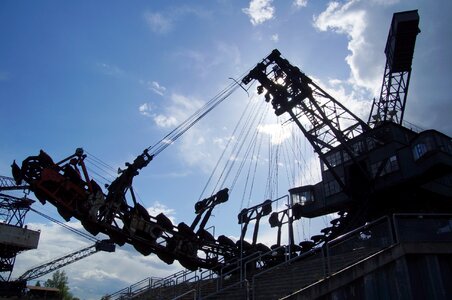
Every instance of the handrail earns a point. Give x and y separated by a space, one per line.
239 265
155 282
324 246
243 264
365 226
310 252
130 289
268 253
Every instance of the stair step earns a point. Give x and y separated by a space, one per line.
275 283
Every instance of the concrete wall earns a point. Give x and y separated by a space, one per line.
404 271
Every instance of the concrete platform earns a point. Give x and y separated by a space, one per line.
20 238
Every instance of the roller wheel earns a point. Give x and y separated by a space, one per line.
31 169
262 248
166 257
164 222
41 196
189 263
91 227
142 212
225 241
185 230
117 238
143 248
205 235
66 214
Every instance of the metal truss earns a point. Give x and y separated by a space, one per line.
390 106
324 121
66 260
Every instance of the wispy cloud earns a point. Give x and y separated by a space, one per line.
109 69
352 21
158 23
145 109
95 275
179 108
156 87
260 11
386 2
166 21
203 63
158 208
276 132
300 3
275 38
162 120
165 121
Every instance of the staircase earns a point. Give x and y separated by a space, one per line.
245 280
302 271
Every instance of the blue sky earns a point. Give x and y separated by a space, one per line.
114 77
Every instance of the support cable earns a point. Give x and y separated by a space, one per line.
192 120
242 163
256 164
234 152
73 230
290 172
250 165
251 146
225 149
101 162
268 193
239 144
182 131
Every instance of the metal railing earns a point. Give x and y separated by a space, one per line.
146 284
327 259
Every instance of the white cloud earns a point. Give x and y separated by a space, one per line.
156 87
221 142
278 134
158 208
95 275
228 52
275 38
165 121
172 114
109 69
386 2
335 81
165 22
145 109
202 63
300 3
177 111
158 23
195 151
259 11
185 106
352 21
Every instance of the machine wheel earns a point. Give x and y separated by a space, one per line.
91 227
66 214
31 169
142 248
163 221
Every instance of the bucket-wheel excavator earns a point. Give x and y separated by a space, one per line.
369 169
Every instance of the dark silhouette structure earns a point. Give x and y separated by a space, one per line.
373 174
